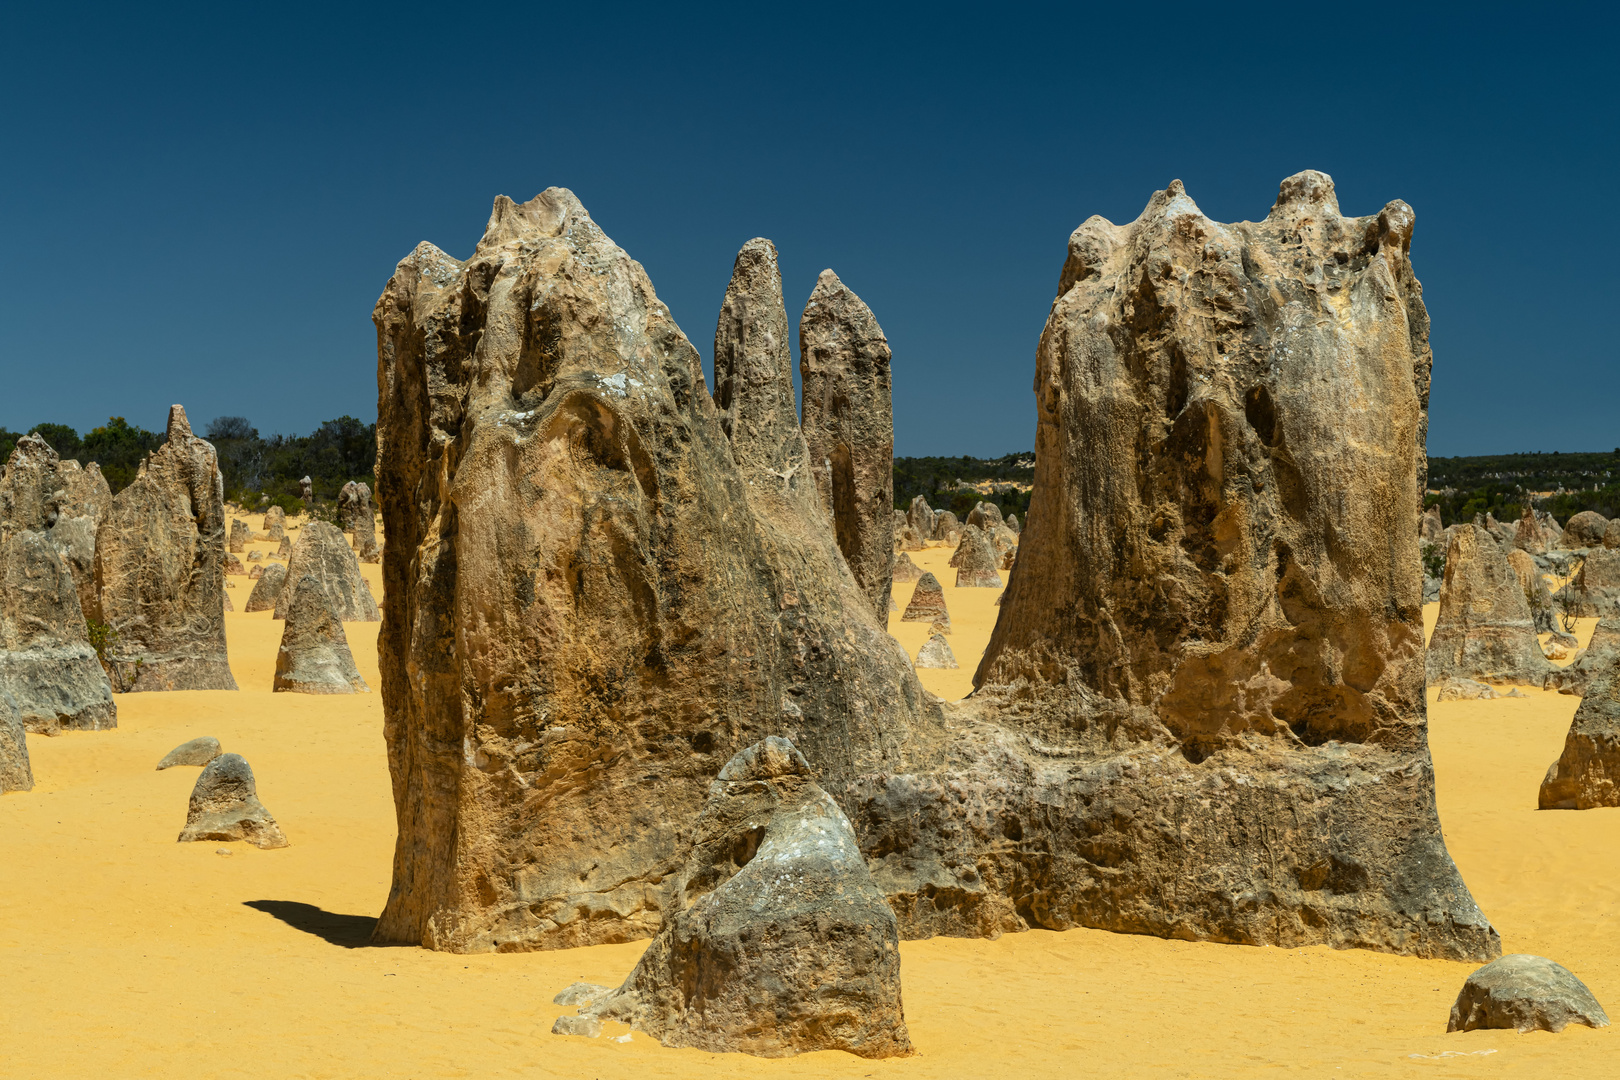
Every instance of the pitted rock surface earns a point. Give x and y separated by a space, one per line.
267 589
977 561
225 806
1587 774
1485 630
1523 993
927 602
314 657
322 557
936 653
15 773
1584 530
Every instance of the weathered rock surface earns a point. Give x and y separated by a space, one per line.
314 657
85 500
15 772
946 527
255 573
267 590
306 490
777 941
47 665
199 751
1584 530
1455 689
1525 993
275 524
985 516
1587 773
160 560
1501 533
323 556
849 428
1429 526
589 607
936 653
905 569
1601 654
921 516
1594 591
927 602
284 549
240 535
1537 597
355 516
255 556
1527 535
976 561
233 565
1485 630
1221 556
908 539
225 806
1012 523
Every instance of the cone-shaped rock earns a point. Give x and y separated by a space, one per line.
314 656
986 515
1525 993
936 653
927 602
1587 774
1527 535
976 561
240 534
1012 523
1222 557
323 557
946 527
225 806
355 516
1584 530
849 428
921 517
160 558
777 942
46 662
275 524
591 603
1485 630
1537 597
1429 527
15 773
905 569
267 589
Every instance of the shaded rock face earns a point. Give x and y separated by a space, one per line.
1525 993
160 561
936 653
1429 527
946 527
1012 523
927 602
275 524
225 806
1527 535
1611 535
921 517
976 561
1586 529
1587 774
284 549
588 606
86 498
1602 653
355 516
199 751
306 490
1537 597
240 534
986 516
1485 630
1594 591
15 772
905 569
849 428
777 941
267 589
322 557
1221 556
314 657
47 665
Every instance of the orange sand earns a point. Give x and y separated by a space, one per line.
129 955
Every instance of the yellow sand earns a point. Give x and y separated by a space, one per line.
126 954
973 616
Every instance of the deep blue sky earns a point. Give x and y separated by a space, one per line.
202 205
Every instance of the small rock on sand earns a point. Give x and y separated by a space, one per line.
199 751
936 653
225 806
588 1026
1525 993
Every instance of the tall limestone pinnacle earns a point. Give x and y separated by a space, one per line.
588 606
1201 714
849 427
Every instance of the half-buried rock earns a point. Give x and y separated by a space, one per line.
977 561
1523 993
323 558
267 590
1485 630
199 751
15 774
936 653
225 806
315 656
927 602
776 940
1587 774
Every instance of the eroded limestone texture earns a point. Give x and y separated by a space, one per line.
47 664
849 428
314 657
160 561
1485 629
323 558
1587 773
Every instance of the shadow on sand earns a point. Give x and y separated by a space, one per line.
349 931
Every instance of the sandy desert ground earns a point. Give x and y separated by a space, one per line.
129 955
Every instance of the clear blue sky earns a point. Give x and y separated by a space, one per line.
202 205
